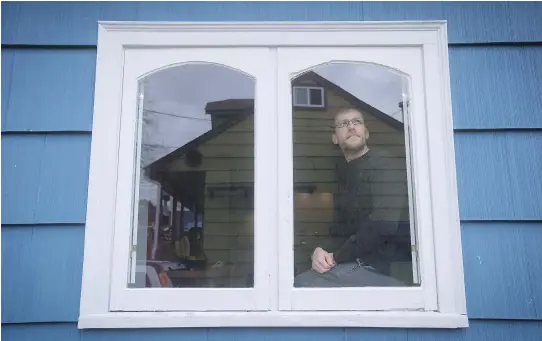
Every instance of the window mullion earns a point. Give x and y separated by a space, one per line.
266 194
285 185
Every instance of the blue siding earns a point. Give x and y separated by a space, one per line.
496 87
41 273
41 332
45 175
533 259
483 330
507 255
195 334
484 88
20 155
392 10
499 175
249 11
69 23
44 178
76 24
473 22
478 330
374 334
468 22
270 334
7 68
50 90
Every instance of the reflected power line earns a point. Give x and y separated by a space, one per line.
178 116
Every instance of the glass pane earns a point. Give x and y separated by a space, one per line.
352 209
316 96
195 210
301 96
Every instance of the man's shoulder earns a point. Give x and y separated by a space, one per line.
380 156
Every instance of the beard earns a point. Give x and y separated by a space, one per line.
353 143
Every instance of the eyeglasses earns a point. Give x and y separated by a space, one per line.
345 123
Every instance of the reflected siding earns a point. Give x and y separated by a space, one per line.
228 161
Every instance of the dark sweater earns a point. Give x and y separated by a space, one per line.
356 218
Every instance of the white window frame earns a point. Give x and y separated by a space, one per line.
124 50
309 105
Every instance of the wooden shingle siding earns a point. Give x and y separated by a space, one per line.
69 23
41 331
479 330
493 22
491 250
44 178
41 271
484 80
499 175
496 87
493 88
7 68
49 90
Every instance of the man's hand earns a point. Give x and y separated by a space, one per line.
322 261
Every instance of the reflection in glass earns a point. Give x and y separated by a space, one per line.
353 225
194 224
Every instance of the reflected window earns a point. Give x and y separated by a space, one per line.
309 97
352 208
195 201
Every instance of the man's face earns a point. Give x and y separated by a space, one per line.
352 136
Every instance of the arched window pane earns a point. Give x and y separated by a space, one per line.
196 179
352 208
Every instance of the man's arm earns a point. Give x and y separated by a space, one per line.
322 259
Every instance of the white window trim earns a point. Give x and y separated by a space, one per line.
115 38
309 105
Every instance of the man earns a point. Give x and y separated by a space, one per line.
362 259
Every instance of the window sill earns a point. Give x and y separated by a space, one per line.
385 319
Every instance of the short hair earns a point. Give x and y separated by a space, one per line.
345 110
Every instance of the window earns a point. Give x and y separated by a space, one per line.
308 96
241 205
